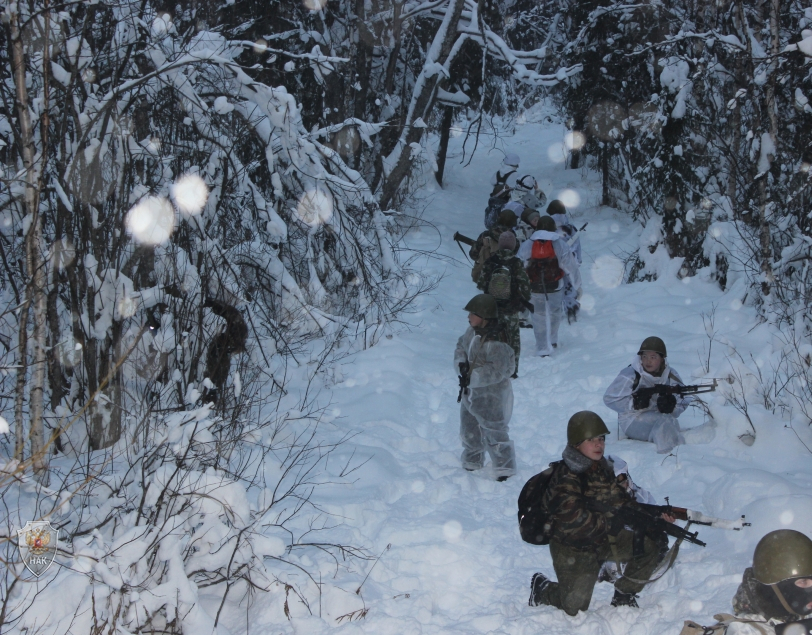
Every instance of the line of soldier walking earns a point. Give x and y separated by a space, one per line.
599 524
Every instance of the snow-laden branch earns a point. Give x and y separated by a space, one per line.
312 57
496 45
364 128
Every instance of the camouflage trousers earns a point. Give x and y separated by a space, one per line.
511 322
577 571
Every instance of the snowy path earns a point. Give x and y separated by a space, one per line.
456 562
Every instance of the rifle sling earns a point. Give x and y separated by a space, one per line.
669 559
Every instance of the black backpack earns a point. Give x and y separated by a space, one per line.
495 205
535 524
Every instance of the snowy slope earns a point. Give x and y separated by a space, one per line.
456 563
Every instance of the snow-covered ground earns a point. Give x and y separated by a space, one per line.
452 558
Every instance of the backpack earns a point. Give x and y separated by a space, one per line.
543 270
500 284
495 205
535 524
489 247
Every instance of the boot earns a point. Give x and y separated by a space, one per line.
538 583
625 599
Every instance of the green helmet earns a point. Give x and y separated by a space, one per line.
484 306
546 223
556 207
507 218
653 344
781 555
528 214
584 425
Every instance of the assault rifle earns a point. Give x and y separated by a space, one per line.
465 379
460 238
571 240
644 522
698 518
642 396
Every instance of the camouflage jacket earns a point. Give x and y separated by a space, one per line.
493 233
566 500
519 282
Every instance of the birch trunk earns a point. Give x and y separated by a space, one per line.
765 237
35 291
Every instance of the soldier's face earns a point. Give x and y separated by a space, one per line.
805 583
593 448
474 320
650 361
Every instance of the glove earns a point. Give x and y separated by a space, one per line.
640 400
666 404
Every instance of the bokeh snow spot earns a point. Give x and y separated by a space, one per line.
607 272
736 304
4 427
418 487
162 25
574 140
570 198
614 228
786 517
126 307
260 46
151 221
315 208
696 606
62 253
88 76
557 153
189 194
590 333
314 5
452 531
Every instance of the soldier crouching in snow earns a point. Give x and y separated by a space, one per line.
777 589
642 415
485 362
582 538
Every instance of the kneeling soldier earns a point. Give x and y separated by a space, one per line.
582 538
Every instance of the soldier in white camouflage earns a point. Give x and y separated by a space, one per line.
485 361
503 277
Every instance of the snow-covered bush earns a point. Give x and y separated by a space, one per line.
158 534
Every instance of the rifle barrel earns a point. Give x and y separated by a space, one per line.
460 238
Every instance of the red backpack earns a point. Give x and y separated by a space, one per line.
543 270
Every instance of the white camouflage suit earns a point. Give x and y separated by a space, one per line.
488 405
648 424
549 306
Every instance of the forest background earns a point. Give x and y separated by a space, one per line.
203 205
